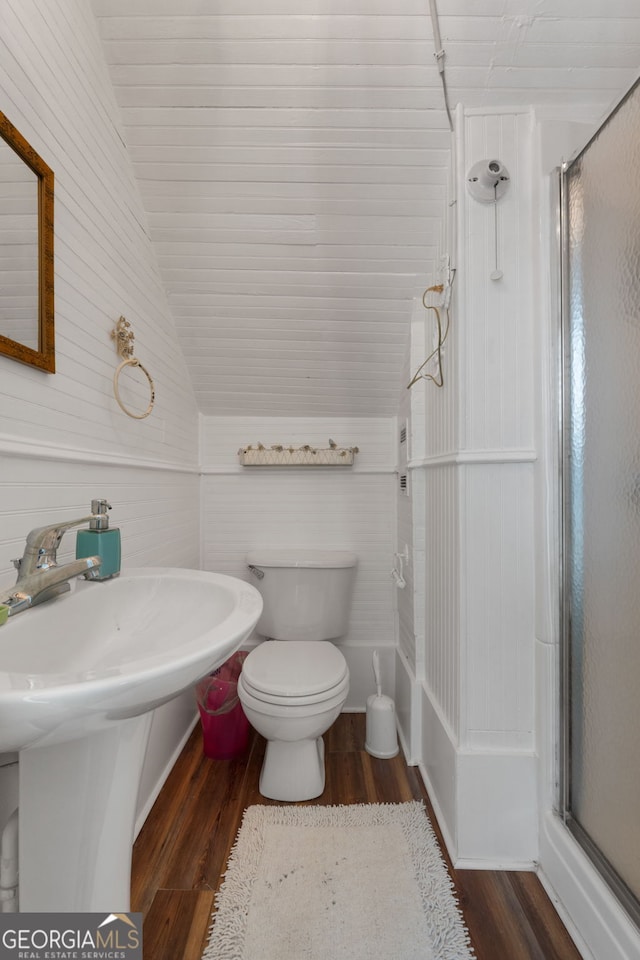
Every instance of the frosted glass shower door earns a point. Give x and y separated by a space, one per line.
601 473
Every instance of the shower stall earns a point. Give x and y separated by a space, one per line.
600 754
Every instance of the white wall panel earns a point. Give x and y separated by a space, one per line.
405 536
497 810
58 93
475 458
242 513
222 438
63 439
438 765
323 508
497 397
498 642
442 653
496 419
153 509
434 439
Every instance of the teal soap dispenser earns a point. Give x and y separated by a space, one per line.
100 540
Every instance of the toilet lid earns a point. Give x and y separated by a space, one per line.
294 668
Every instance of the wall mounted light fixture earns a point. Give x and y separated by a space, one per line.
487 182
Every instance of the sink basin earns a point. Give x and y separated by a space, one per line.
114 650
79 679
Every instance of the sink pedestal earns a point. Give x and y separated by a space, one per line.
77 817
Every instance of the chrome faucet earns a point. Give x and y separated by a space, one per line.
39 576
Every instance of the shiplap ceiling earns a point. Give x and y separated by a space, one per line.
292 157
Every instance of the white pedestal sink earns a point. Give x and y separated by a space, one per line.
79 677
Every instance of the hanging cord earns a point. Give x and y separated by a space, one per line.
437 379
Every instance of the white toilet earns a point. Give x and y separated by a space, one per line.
294 686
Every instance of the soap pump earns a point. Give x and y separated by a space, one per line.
100 540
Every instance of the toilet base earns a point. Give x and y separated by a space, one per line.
293 770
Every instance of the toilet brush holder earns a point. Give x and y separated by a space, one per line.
381 736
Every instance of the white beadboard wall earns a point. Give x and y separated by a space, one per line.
153 509
498 575
410 535
406 627
63 438
497 440
496 428
476 462
56 90
496 367
346 508
434 481
434 442
441 592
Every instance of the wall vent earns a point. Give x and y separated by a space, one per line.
403 434
404 486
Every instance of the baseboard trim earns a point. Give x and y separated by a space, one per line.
439 815
565 916
524 866
582 898
408 709
406 753
486 801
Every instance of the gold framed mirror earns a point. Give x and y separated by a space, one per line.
26 252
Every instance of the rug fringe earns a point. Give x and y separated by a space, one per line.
247 848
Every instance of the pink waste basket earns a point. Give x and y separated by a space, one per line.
225 728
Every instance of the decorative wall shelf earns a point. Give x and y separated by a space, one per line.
306 456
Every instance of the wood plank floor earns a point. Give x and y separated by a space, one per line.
182 850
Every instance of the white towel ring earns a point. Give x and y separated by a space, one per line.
133 362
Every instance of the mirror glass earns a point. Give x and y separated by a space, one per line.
26 252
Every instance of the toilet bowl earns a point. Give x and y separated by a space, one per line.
293 687
306 698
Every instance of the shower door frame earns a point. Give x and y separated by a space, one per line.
560 202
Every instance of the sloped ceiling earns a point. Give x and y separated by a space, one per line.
292 156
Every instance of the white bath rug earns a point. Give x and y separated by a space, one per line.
360 882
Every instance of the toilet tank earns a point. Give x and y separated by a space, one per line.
307 594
